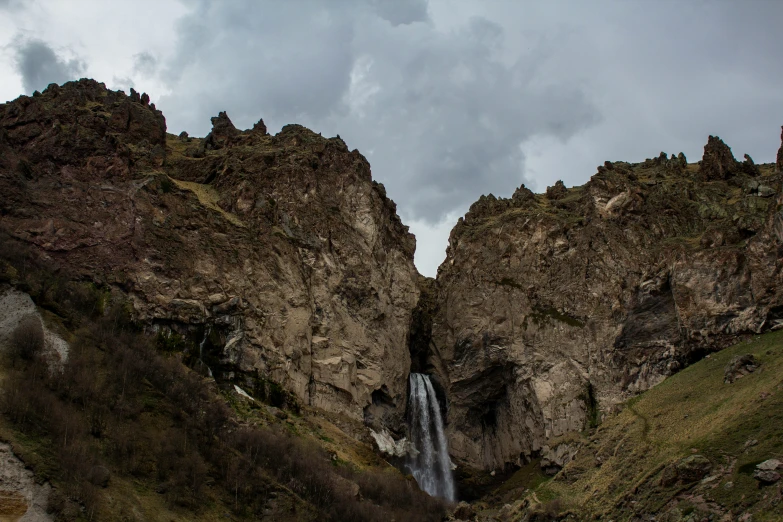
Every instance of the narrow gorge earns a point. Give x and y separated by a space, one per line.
275 265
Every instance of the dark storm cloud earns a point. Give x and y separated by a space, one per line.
448 117
439 113
284 61
664 80
39 65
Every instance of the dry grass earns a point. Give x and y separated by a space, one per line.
208 197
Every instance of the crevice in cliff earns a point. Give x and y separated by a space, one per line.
425 357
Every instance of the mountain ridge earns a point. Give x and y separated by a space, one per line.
274 264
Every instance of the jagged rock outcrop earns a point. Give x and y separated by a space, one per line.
718 161
223 132
557 191
553 311
278 254
779 161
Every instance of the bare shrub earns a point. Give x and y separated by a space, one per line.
95 414
27 339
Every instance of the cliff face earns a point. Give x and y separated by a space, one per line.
553 308
277 254
277 258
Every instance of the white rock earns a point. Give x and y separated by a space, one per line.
243 393
395 448
770 465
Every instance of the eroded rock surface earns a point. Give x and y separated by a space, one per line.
21 498
552 309
276 257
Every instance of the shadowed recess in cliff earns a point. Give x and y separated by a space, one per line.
430 465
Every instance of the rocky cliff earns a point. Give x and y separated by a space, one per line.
553 308
272 259
275 262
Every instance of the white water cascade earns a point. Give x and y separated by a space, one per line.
201 351
431 466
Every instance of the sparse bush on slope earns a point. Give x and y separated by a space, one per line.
119 406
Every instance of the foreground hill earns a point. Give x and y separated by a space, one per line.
688 449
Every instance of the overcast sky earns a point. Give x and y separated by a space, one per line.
448 99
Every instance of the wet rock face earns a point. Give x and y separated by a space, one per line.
279 253
552 312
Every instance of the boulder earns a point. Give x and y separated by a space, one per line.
554 458
388 446
693 468
464 511
767 477
739 366
770 465
779 162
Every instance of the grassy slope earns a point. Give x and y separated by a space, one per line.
137 495
693 412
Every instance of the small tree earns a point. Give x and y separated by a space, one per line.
27 339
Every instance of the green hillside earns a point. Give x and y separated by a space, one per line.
650 459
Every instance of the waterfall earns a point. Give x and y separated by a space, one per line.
201 351
431 466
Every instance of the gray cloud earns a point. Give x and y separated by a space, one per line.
440 114
402 12
145 64
123 83
450 100
39 65
11 4
285 61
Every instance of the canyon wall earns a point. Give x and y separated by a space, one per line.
550 309
277 259
278 254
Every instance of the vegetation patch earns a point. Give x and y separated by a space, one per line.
541 315
209 197
692 417
125 429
